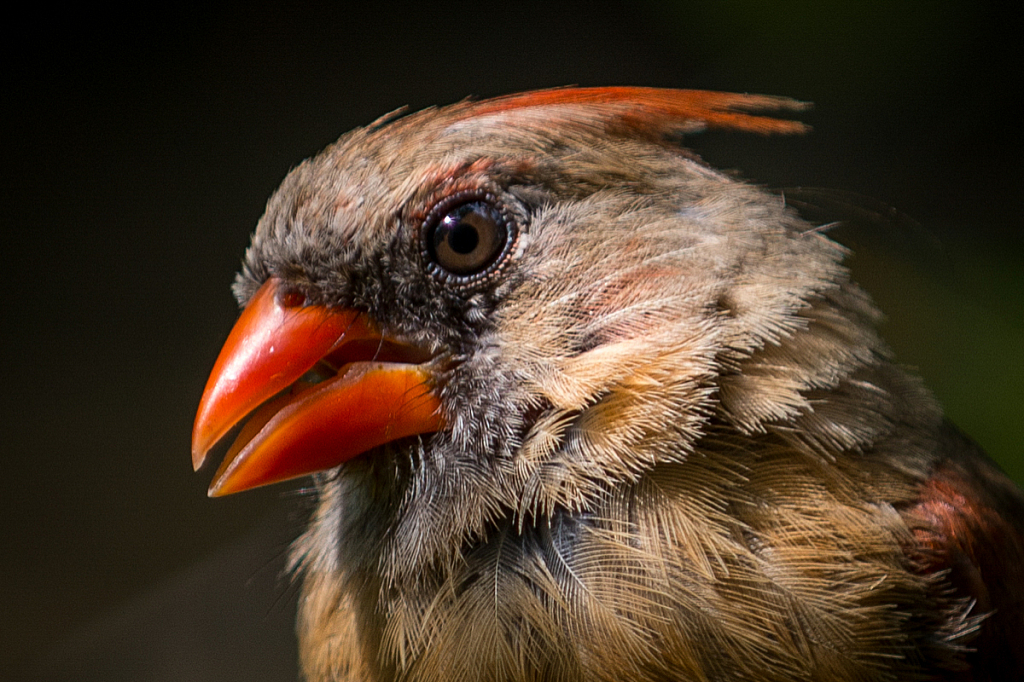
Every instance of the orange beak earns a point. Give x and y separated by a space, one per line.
376 392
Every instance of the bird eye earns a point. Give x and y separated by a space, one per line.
466 239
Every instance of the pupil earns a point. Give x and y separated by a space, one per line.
463 238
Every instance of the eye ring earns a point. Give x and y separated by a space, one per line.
466 237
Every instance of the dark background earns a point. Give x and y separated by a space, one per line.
138 152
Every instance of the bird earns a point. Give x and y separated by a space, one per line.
576 405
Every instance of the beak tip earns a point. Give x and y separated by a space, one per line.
198 457
216 484
220 486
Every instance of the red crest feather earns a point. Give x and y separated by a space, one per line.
654 112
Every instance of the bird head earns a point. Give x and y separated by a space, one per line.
502 310
490 309
577 405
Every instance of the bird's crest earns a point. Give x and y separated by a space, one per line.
651 112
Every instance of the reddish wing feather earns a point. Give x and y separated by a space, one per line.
972 526
655 111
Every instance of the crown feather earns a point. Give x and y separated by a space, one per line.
650 112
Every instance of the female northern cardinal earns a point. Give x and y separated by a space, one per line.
579 407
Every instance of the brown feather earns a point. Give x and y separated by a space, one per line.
969 528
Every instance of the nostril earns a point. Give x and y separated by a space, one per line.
291 299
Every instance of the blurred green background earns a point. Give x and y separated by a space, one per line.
139 150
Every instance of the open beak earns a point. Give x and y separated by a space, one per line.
328 387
